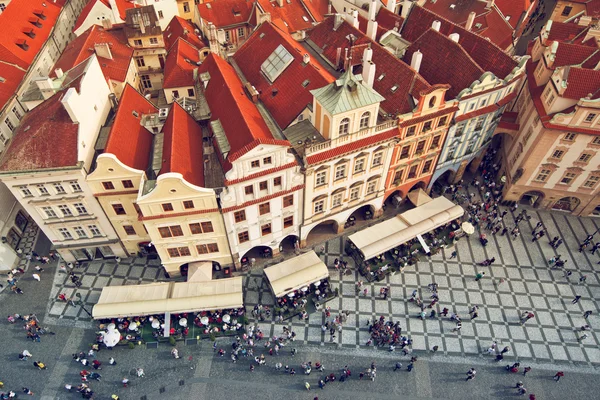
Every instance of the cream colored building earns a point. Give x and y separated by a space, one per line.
186 9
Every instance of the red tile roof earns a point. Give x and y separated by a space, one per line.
223 13
242 122
182 149
572 54
129 141
83 47
592 8
439 50
489 56
12 76
566 32
179 27
46 138
582 82
179 65
514 9
122 5
20 18
317 8
291 13
399 84
292 97
388 20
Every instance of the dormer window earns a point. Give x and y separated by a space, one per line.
432 102
344 127
35 22
29 32
40 14
22 44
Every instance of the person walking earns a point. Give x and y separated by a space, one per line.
526 370
471 374
587 314
576 300
582 279
479 275
410 367
453 255
582 337
397 366
36 277
558 375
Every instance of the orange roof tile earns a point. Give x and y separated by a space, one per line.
10 79
129 141
292 13
182 150
20 18
223 13
514 9
566 32
242 122
582 82
179 65
46 138
83 47
290 94
317 8
179 27
572 54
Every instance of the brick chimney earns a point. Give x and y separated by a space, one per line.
103 50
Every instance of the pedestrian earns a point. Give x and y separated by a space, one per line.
435 348
125 381
444 312
471 374
410 367
453 255
582 337
479 275
526 370
582 279
27 391
111 361
458 327
39 365
398 366
558 375
36 277
587 314
505 350
576 300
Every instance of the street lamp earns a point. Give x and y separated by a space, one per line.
80 303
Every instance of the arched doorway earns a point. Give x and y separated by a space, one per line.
394 199
567 204
289 244
443 181
362 213
184 269
532 198
322 232
418 185
257 252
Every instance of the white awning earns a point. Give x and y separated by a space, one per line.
386 235
296 273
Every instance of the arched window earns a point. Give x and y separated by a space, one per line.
432 102
344 126
364 120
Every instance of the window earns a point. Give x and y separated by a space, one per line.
80 232
108 185
591 182
288 201
9 124
550 99
404 152
65 233
460 128
354 193
411 131
249 190
265 229
359 165
243 237
255 164
442 121
186 7
80 208
170 231
566 11
364 120
451 152
227 36
585 157
420 147
319 206
139 61
207 227
377 159
412 172
137 42
146 82
528 135
119 209
195 228
263 185
75 187
432 102
2 6
94 230
179 252
240 32
167 207
267 160
59 189
188 204
557 154
590 117
435 142
596 140
427 126
344 127
190 92
479 125
336 201
264 208
398 177
207 248
570 136
371 186
127 184
277 181
154 40
42 189
239 216
288 221
49 212
129 230
340 172
471 145
17 113
320 178
65 210
568 178
175 94
427 166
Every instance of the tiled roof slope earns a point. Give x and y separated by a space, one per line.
180 64
46 138
179 27
572 54
487 55
182 149
292 96
129 141
566 32
291 13
514 9
11 77
317 8
439 50
20 18
241 120
122 5
83 47
399 82
224 13
582 82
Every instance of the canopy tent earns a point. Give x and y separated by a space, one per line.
168 297
386 235
296 273
419 197
200 271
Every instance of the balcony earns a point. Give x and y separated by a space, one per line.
149 70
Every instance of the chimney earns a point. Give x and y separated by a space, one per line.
69 101
415 61
372 30
406 6
454 37
553 49
470 20
490 4
280 3
391 5
436 25
338 19
372 10
107 23
593 32
584 20
306 58
368 67
338 56
58 72
352 18
329 7
103 50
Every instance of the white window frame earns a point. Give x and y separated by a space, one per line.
320 178
337 199
340 172
355 193
80 208
319 206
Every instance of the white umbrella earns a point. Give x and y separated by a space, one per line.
317 283
156 324
468 228
226 318
111 338
183 322
204 320
110 327
304 289
291 295
133 326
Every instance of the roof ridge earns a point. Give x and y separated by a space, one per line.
457 44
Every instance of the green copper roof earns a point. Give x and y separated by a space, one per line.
346 94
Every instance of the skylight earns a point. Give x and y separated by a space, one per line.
276 63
